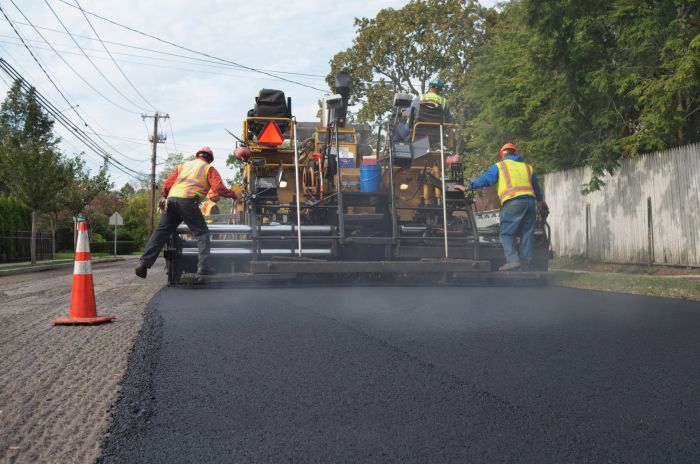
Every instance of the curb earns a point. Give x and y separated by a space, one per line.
50 267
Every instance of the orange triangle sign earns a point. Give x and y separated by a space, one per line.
271 135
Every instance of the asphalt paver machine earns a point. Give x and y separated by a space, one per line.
327 206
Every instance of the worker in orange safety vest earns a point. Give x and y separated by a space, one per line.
184 189
519 192
209 207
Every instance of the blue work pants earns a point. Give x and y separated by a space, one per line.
518 220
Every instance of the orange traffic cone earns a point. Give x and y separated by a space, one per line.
82 301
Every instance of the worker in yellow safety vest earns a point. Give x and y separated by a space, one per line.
209 207
519 192
184 189
433 97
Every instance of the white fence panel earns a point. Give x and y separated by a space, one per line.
648 211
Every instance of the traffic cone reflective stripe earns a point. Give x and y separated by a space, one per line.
82 301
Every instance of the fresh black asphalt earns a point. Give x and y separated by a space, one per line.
411 374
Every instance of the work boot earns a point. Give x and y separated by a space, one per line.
141 271
511 266
206 270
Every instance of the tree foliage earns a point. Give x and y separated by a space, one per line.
588 83
572 83
400 50
31 165
83 188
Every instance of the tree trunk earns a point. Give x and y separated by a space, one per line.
32 240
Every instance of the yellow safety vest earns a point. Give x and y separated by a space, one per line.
192 180
514 180
433 97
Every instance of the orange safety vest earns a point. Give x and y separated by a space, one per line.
206 210
514 180
206 207
192 180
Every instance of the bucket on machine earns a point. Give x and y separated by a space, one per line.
370 177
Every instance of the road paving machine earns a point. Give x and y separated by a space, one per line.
322 204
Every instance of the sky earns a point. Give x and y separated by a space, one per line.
293 39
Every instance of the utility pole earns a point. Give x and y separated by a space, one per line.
155 139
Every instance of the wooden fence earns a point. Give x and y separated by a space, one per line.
648 212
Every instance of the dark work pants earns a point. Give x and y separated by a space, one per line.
179 210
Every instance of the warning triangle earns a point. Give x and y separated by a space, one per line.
271 135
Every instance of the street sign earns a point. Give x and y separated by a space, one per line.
116 220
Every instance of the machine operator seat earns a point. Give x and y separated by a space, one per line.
429 112
270 103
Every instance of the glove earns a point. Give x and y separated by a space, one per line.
238 190
162 205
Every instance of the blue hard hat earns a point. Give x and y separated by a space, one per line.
437 83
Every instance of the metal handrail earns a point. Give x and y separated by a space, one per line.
416 124
296 183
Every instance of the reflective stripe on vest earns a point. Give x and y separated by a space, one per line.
192 180
514 180
434 98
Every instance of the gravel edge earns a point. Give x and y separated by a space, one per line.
131 412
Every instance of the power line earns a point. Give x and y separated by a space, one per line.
194 51
177 55
36 60
88 58
68 124
92 131
172 133
52 81
227 74
110 55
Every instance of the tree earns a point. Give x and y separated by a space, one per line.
587 83
126 191
31 166
81 189
401 50
136 215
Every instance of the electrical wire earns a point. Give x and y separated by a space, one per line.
92 131
160 66
111 84
76 131
110 55
191 58
36 60
53 82
195 51
172 133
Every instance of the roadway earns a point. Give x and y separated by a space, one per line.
411 375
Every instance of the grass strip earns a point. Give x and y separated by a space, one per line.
669 287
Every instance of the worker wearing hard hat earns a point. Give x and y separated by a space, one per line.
184 189
518 189
433 97
209 207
